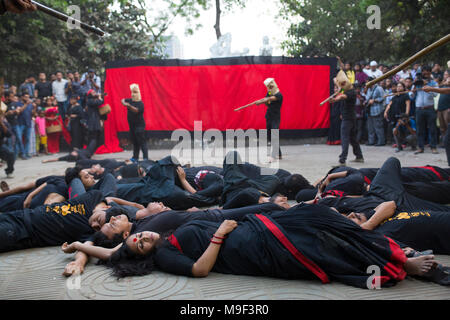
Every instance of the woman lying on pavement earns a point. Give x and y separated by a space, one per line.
304 242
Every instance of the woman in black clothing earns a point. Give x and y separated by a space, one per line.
304 242
76 113
136 123
400 103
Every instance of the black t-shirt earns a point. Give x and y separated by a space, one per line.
348 108
274 107
68 221
421 230
136 119
398 106
365 204
14 118
44 89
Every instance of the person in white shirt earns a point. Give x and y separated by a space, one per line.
59 92
373 72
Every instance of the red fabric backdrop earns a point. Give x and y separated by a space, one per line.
176 96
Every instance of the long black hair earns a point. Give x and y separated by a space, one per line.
126 263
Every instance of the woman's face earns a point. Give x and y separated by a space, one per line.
400 87
142 243
358 218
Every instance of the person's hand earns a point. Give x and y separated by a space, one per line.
19 6
27 202
386 116
72 268
371 101
226 227
193 209
181 173
70 248
427 88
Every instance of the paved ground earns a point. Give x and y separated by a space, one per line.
36 273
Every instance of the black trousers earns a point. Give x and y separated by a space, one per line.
348 137
139 141
94 141
8 155
273 124
388 185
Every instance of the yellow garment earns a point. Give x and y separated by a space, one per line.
351 76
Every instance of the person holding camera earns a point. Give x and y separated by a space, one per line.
89 81
425 114
405 132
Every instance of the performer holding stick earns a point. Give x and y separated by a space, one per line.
348 116
273 101
136 122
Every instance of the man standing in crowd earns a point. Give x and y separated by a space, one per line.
89 81
59 92
24 126
27 86
375 125
373 71
425 113
73 86
6 154
43 88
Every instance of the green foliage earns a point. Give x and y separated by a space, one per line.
330 28
35 42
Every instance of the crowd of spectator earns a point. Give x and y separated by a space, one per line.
397 110
39 114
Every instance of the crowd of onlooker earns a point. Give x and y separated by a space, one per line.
38 114
397 110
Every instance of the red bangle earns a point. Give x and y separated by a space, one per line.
216 241
218 237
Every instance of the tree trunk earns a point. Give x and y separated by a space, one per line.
217 25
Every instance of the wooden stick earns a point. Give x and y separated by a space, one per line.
330 97
65 18
393 94
248 105
410 60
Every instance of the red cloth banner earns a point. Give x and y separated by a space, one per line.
176 93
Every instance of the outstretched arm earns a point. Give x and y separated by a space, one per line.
89 249
77 266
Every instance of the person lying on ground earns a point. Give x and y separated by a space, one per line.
304 242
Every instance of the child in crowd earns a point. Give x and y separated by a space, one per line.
41 134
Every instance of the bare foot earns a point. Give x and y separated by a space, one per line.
419 265
4 186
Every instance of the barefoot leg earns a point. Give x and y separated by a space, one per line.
419 265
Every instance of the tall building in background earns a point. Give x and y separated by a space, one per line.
173 49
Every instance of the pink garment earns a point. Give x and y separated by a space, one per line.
40 123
